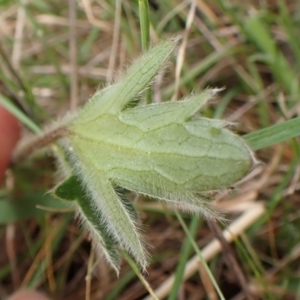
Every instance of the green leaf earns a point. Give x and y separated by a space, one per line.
25 207
69 189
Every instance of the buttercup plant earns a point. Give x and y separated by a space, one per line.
159 150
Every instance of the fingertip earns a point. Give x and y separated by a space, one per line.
28 295
9 135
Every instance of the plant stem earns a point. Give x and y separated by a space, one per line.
38 142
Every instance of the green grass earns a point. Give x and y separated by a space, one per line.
252 50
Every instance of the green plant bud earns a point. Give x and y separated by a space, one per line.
159 150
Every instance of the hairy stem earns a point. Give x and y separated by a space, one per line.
36 143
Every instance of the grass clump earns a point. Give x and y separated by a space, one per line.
253 50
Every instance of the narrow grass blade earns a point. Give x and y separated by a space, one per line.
274 134
258 32
25 207
204 264
199 69
185 253
145 24
19 114
145 34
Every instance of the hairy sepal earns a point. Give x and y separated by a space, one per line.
118 216
156 115
114 98
92 220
